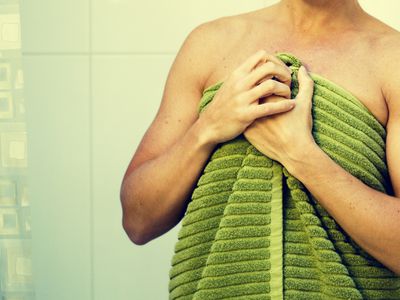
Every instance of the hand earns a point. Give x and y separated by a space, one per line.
281 135
236 104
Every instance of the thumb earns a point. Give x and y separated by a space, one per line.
306 85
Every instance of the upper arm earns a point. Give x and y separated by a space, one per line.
392 95
393 147
182 92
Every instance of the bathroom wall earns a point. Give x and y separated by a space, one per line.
94 76
16 282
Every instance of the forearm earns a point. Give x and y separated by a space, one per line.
154 196
370 217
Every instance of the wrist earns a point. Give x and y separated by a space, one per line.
298 157
202 135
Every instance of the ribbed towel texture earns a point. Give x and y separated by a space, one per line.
253 231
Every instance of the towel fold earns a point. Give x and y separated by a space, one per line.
253 231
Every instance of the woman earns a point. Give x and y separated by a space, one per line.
334 38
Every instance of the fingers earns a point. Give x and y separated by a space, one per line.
267 88
306 85
251 62
258 59
275 60
267 71
271 108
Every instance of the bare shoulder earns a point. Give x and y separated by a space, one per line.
388 45
217 40
226 28
195 60
200 52
381 51
388 56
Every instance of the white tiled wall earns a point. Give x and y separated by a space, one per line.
57 87
16 281
126 95
94 76
155 26
50 26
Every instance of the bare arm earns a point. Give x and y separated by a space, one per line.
162 174
162 187
370 217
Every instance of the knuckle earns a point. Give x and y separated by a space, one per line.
270 85
241 116
267 109
238 86
238 100
287 76
235 73
269 66
270 57
287 90
255 93
262 52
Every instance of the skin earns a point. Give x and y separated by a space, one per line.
370 217
178 142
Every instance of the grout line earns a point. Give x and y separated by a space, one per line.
91 180
94 53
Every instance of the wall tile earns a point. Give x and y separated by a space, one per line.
127 93
60 26
270 2
155 26
382 11
57 89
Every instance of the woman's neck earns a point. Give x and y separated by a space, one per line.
318 17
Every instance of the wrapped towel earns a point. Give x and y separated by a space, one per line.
253 231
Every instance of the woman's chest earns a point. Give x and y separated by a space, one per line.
356 71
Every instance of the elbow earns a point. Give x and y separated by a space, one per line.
135 234
134 226
131 223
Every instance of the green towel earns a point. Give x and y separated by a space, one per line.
253 231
